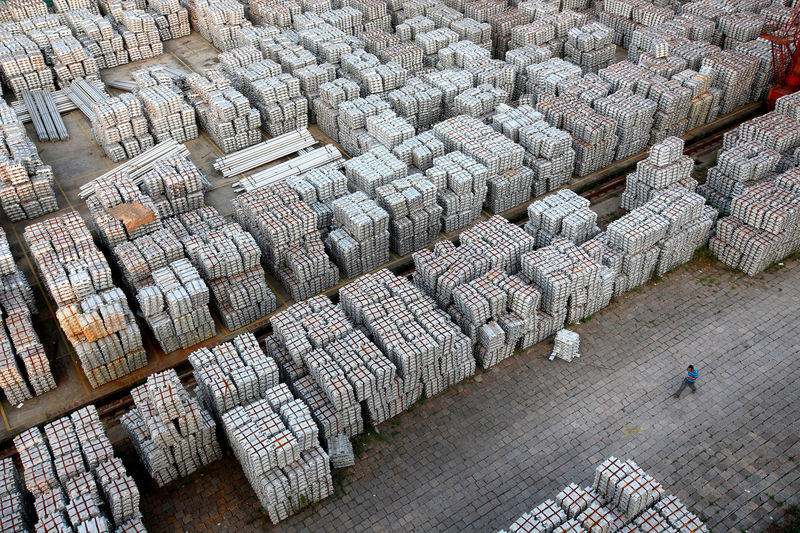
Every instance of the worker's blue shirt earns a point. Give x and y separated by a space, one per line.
692 376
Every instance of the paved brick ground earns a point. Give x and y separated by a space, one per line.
481 454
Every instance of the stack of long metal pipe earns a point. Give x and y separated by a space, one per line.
62 101
84 95
302 163
263 153
45 116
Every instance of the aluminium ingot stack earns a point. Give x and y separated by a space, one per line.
172 20
175 306
76 481
665 167
428 349
352 122
287 231
318 188
99 36
418 102
169 115
359 241
171 432
326 106
141 35
26 183
372 76
414 215
373 169
175 185
92 312
22 65
15 515
120 127
218 21
590 46
418 152
564 214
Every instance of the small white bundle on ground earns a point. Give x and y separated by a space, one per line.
224 113
664 167
359 241
562 215
232 374
175 185
573 285
326 106
92 312
566 345
99 36
19 343
176 306
15 515
590 46
373 169
23 66
172 19
318 188
26 183
287 231
594 135
428 349
169 115
140 33
352 123
170 431
418 102
763 227
120 127
75 480
623 497
461 189
414 216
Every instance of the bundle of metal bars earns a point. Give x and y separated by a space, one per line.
264 152
45 116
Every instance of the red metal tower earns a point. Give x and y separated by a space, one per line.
785 39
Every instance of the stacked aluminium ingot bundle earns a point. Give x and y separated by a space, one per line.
140 257
461 185
76 481
543 77
479 102
22 65
141 35
171 18
326 106
389 129
175 185
432 42
593 135
26 9
373 76
502 23
590 46
15 515
762 50
175 306
169 115
92 312
566 346
418 102
451 82
218 21
318 188
700 103
99 36
286 230
172 434
69 58
372 169
414 216
407 55
522 58
224 113
376 16
459 54
626 16
20 345
277 13
429 351
561 215
359 241
26 183
633 115
418 152
734 73
120 127
665 167
763 226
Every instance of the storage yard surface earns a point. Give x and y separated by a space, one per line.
477 455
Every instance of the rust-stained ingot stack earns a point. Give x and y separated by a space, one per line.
172 434
564 214
120 127
21 347
26 183
665 167
15 515
428 349
286 229
76 482
92 312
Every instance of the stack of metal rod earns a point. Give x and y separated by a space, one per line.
45 116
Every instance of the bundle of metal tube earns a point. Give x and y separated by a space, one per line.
84 94
303 163
263 153
45 116
62 101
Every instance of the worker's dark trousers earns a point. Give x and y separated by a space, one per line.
685 384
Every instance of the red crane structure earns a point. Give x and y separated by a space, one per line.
785 39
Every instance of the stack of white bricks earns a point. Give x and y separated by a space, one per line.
561 215
359 241
573 285
169 115
461 189
22 65
372 76
141 35
172 434
590 46
373 169
175 306
763 225
318 188
224 112
68 56
20 345
414 216
26 183
352 121
99 36
218 21
326 106
419 102
418 152
92 312
287 231
633 115
429 351
665 167
120 127
172 20
15 514
75 480
175 185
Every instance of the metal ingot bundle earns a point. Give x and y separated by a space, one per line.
141 34
318 188
171 18
287 231
99 37
140 257
175 306
218 21
479 141
734 73
22 65
414 216
702 99
522 58
431 42
372 76
26 183
76 481
418 152
664 167
376 167
175 185
170 431
566 346
633 115
91 311
429 351
389 129
590 46
561 215
479 102
460 53
461 184
169 115
359 241
352 120
15 515
451 82
278 13
326 106
120 127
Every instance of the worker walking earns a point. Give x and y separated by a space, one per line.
691 377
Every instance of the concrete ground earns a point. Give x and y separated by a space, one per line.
487 450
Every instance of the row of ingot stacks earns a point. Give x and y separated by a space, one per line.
172 434
287 231
92 312
224 113
20 345
26 183
99 36
22 65
273 435
69 58
120 127
76 481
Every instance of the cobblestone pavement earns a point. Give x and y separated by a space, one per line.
489 449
